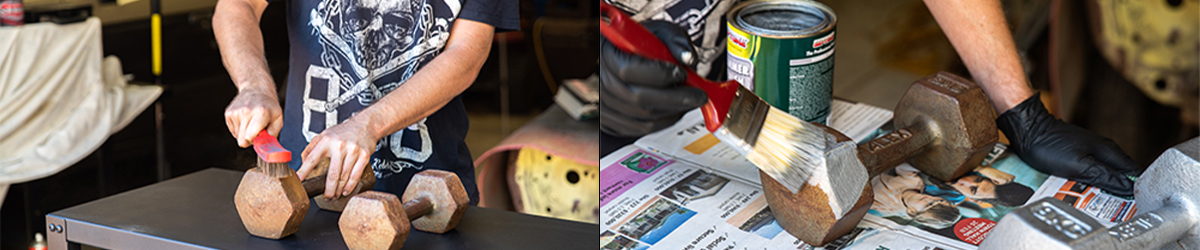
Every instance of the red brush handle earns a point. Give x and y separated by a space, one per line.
269 150
629 36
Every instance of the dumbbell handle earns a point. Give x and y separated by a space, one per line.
887 151
315 185
415 208
1054 220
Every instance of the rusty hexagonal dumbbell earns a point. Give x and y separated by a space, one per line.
434 202
272 201
946 128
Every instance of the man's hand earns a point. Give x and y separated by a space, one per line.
348 146
253 110
1055 147
256 107
638 95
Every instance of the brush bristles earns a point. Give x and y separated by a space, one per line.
273 168
788 149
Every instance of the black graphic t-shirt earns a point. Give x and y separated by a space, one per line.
348 54
702 19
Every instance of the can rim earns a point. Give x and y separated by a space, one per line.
737 12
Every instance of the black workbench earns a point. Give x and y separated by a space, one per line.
196 211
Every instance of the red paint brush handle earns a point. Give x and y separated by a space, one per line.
629 36
269 150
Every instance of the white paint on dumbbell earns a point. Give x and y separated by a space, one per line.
843 177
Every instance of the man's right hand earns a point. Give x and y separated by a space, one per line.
253 110
638 95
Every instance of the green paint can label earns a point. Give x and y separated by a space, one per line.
783 51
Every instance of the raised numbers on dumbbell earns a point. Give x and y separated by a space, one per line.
1167 214
1136 226
1060 220
952 86
887 140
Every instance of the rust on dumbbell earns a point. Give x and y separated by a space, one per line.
273 212
952 86
806 214
888 151
374 220
449 196
272 201
811 218
435 200
946 127
888 140
418 207
315 186
960 114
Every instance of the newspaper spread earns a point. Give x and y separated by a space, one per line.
680 188
1108 209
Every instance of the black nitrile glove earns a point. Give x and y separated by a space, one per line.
638 95
1057 148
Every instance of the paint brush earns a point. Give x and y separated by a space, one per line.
782 146
271 155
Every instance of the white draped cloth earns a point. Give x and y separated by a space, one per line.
59 98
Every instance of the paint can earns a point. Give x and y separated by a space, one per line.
783 51
12 13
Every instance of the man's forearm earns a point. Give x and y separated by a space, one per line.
235 25
978 31
433 86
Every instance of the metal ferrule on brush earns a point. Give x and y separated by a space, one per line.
744 121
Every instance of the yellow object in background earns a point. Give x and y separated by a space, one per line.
1154 44
558 187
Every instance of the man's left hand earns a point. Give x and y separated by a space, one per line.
1057 148
349 147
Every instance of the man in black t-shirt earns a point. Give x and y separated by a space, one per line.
373 86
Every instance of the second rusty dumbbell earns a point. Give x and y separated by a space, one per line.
434 202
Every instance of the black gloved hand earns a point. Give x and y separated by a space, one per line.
638 95
1057 148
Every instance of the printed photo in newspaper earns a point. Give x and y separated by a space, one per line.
612 241
654 220
963 209
755 217
680 205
